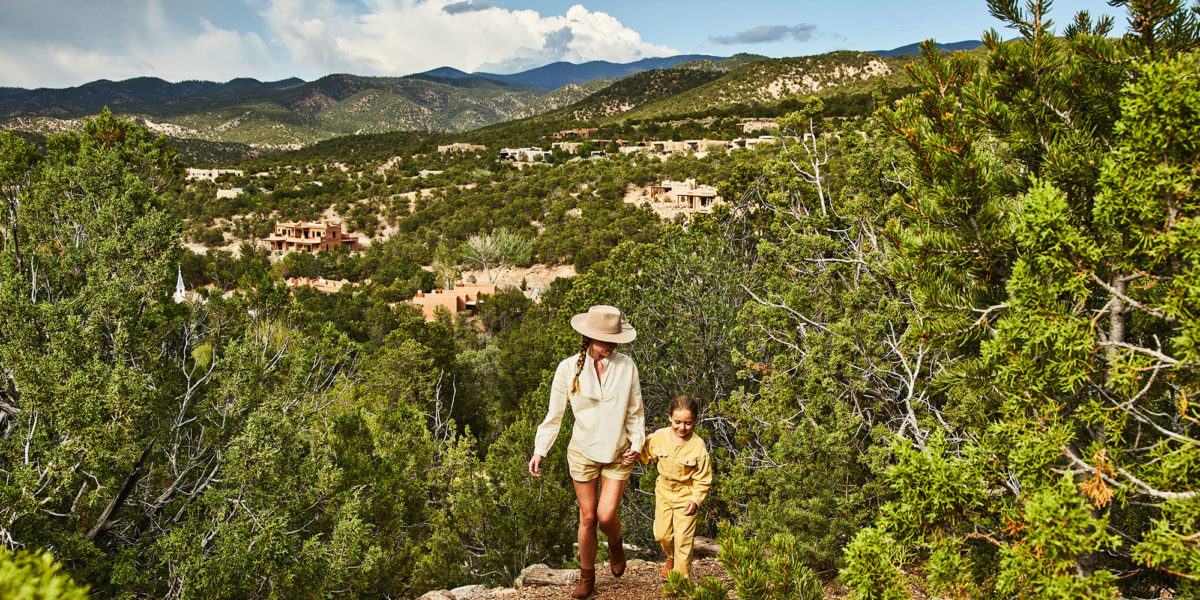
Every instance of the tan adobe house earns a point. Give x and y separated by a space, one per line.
568 147
686 195
706 145
462 300
752 143
765 124
583 132
309 237
523 154
212 174
327 286
461 147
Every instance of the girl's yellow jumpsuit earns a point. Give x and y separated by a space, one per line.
684 475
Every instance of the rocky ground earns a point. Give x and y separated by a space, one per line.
642 581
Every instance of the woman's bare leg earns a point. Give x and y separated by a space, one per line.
607 510
585 492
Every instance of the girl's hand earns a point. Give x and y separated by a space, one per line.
535 465
628 458
690 509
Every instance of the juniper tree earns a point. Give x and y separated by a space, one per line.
230 449
1044 238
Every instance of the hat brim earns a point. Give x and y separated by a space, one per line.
627 334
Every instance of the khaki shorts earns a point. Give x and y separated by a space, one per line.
583 468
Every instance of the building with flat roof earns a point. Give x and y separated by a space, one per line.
212 174
461 147
527 155
463 300
760 125
570 133
686 195
309 237
752 143
327 286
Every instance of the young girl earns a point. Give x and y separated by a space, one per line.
684 476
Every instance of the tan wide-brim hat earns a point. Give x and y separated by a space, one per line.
604 323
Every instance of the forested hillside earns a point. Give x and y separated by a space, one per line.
946 346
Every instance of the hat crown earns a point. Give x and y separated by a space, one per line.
604 323
605 319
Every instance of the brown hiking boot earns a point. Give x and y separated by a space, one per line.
667 566
616 557
586 585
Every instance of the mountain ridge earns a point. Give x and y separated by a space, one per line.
291 113
915 48
558 74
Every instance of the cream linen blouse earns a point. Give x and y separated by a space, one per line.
609 416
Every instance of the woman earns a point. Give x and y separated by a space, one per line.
609 431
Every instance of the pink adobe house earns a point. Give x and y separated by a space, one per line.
464 298
309 237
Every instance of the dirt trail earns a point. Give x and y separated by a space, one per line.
642 581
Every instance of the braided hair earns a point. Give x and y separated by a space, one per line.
583 346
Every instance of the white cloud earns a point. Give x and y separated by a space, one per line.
58 43
767 33
135 38
397 37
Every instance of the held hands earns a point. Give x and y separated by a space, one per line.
535 465
690 509
628 457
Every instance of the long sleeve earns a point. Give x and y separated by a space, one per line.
702 479
635 415
547 432
647 452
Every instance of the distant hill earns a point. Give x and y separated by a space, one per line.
559 74
916 48
719 65
211 121
564 96
768 81
276 116
291 113
632 92
89 98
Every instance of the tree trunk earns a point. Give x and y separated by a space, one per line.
131 480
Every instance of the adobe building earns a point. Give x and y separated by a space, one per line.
309 237
762 125
523 155
212 174
461 147
752 143
570 133
326 286
687 196
463 300
706 145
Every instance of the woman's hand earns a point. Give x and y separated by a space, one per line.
628 457
690 509
535 465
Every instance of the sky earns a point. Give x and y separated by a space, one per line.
64 43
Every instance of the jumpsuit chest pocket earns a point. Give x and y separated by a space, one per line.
676 467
